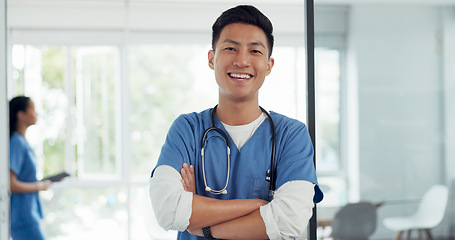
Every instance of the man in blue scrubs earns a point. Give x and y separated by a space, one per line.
227 197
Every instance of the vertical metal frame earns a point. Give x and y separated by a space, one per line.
311 106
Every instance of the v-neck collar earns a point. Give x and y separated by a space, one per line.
260 128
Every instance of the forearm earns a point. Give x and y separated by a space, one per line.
285 217
17 186
208 211
250 226
178 209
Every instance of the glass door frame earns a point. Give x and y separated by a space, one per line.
311 106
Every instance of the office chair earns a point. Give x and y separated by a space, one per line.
429 214
355 221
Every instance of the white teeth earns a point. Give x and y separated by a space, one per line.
237 75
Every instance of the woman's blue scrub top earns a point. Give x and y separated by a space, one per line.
26 209
294 156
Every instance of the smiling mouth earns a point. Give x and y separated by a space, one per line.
241 76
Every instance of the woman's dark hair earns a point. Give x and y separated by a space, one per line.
17 104
243 14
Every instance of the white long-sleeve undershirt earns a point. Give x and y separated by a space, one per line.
285 217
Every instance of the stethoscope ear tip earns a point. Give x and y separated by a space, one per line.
224 191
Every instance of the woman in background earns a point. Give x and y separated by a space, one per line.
26 211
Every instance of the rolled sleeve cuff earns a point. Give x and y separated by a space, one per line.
287 215
271 227
171 203
183 211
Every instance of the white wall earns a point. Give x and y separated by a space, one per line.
398 61
140 15
399 84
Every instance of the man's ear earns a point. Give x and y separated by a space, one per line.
211 58
270 65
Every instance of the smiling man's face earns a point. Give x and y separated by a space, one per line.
240 61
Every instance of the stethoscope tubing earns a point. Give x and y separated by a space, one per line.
270 175
272 185
207 188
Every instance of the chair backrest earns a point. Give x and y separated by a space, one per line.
432 208
355 221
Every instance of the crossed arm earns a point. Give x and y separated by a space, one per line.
178 208
228 219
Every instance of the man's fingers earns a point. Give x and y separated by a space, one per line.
188 179
184 185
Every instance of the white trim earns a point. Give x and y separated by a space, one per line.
111 37
351 106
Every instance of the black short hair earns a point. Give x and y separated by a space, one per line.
243 14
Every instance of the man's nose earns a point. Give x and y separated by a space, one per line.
242 59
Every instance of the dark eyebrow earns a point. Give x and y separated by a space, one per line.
231 41
237 43
258 44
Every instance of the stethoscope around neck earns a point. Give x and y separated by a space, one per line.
269 176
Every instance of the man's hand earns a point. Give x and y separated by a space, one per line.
188 181
189 185
225 217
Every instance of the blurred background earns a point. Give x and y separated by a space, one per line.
108 77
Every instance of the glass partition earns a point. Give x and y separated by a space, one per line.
385 125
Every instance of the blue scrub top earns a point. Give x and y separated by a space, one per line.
26 211
294 156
